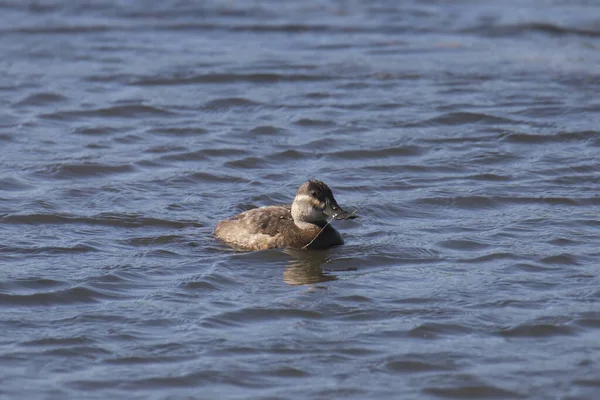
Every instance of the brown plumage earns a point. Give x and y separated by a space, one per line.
301 225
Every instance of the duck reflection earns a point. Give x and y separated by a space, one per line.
305 267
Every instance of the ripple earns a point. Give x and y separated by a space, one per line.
248 163
119 285
257 314
488 177
488 158
229 103
199 155
124 111
468 202
204 154
560 259
164 148
288 372
210 282
103 219
588 320
462 118
494 201
32 283
266 130
462 244
59 30
309 122
482 391
95 131
42 99
148 360
78 248
227 78
85 352
274 160
153 240
431 330
559 137
591 382
13 184
65 297
59 341
298 28
537 330
85 170
187 380
531 27
416 364
128 139
498 255
178 132
395 151
532 268
198 177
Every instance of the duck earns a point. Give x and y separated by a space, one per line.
302 225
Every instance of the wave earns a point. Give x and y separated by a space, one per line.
103 219
532 27
223 78
124 111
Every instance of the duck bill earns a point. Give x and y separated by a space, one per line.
334 210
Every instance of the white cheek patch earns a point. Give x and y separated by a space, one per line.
303 198
305 204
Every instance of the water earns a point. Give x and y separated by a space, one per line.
465 133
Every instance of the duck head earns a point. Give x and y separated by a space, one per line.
314 202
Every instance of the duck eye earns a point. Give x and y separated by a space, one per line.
313 193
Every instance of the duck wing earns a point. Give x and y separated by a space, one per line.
271 220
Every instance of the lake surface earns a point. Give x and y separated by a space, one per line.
465 133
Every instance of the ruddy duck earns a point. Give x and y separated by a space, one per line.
301 225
